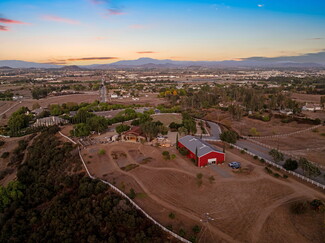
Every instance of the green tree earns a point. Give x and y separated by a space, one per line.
276 155
97 123
290 164
309 168
229 136
80 130
122 128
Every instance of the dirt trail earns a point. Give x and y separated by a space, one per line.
298 191
189 214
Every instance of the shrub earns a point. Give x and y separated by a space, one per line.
2 143
182 232
285 176
262 160
242 151
317 204
196 229
173 156
132 193
277 175
298 207
5 155
268 170
290 164
171 215
211 179
101 152
199 176
183 151
229 136
255 157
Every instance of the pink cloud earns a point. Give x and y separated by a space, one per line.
11 21
4 28
59 19
147 52
137 26
112 11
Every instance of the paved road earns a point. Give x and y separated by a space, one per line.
264 153
214 132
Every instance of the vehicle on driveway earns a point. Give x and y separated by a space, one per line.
234 165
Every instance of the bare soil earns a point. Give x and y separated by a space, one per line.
242 205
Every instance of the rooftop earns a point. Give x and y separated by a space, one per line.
193 143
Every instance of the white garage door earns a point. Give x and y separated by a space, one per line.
212 161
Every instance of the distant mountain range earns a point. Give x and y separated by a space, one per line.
316 60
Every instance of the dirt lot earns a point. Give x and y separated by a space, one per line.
244 205
310 98
151 100
166 119
273 127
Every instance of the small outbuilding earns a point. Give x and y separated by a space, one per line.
198 149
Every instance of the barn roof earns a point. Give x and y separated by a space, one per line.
191 143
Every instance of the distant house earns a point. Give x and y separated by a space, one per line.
206 154
312 107
114 96
38 111
133 135
50 121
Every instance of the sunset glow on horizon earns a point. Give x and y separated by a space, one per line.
104 31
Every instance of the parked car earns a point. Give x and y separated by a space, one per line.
234 165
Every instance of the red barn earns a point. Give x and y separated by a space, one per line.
205 152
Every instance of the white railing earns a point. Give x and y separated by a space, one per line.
127 197
284 135
281 168
284 152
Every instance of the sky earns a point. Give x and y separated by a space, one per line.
103 31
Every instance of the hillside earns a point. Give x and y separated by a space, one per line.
53 201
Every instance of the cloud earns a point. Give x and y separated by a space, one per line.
115 11
4 28
146 52
88 59
316 38
318 57
59 19
11 21
55 63
137 26
260 5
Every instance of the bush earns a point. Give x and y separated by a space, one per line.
298 207
290 164
262 160
255 157
101 152
229 136
317 204
242 151
2 143
277 175
285 176
5 155
268 170
171 215
183 151
211 179
166 155
132 193
199 176
196 229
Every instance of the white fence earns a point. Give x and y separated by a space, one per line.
126 196
284 152
280 167
285 135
